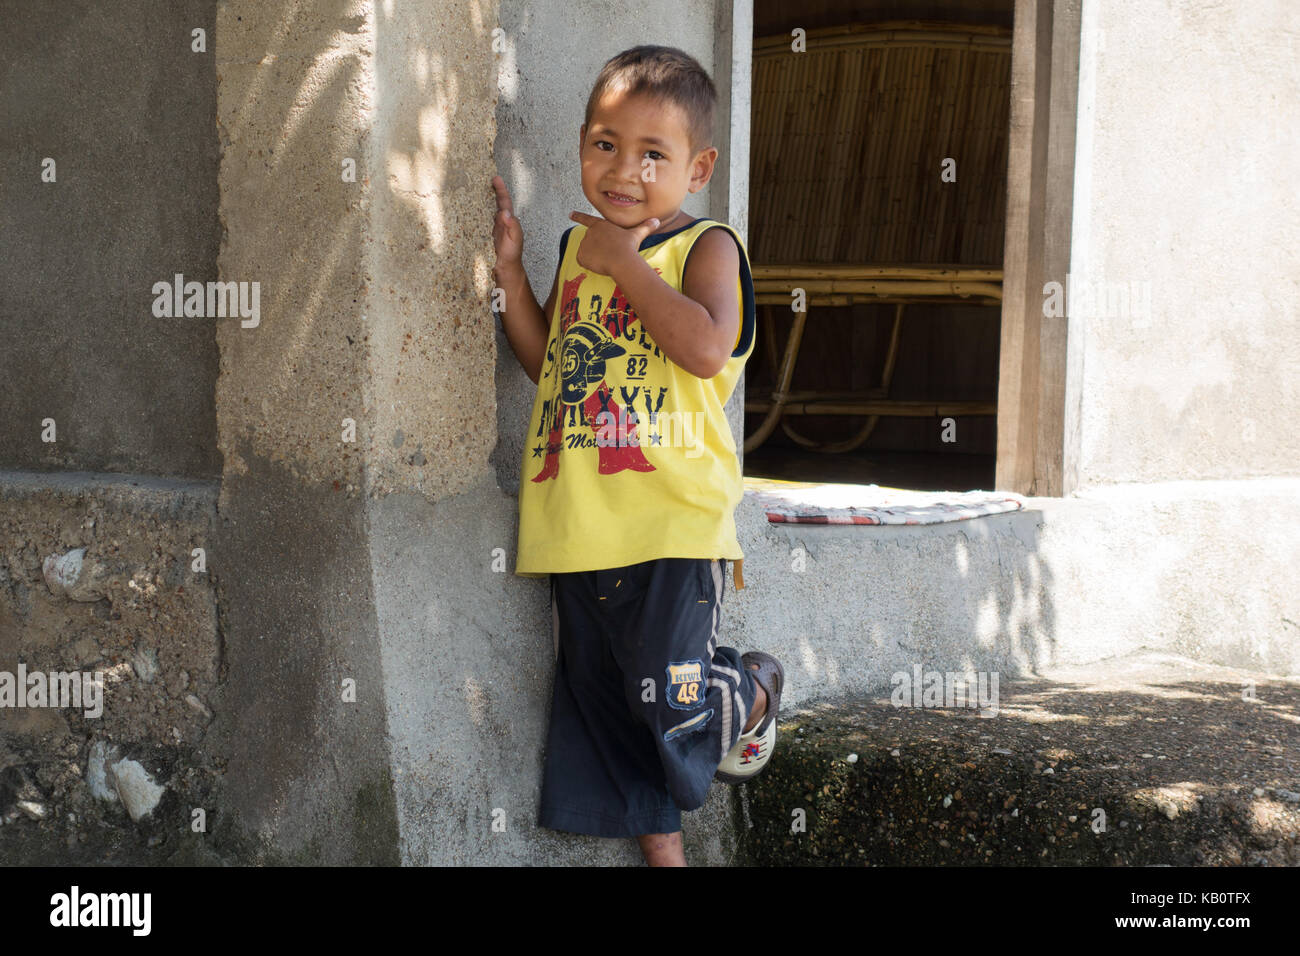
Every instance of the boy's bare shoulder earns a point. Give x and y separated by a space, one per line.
714 253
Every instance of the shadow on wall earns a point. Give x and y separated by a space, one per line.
850 607
309 770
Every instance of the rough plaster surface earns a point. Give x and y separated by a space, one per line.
1064 582
291 107
307 775
468 665
114 96
1188 156
372 304
375 311
429 251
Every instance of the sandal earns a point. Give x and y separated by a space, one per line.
747 759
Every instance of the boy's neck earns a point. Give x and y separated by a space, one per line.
676 222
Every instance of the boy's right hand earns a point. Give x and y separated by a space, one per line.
507 234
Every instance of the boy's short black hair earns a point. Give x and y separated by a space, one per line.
667 74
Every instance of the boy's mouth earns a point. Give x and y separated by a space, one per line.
621 199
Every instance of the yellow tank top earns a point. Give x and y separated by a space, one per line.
628 457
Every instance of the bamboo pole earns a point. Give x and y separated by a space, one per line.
892 33
891 407
882 287
846 271
866 298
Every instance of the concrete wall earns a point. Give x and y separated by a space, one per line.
356 676
115 96
1188 154
1066 581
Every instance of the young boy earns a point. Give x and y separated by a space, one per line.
630 478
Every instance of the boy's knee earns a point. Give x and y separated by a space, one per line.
665 690
688 792
688 799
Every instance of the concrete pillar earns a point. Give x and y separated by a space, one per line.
388 559
367 380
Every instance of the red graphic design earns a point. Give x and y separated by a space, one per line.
625 453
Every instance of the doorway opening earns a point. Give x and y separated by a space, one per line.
878 216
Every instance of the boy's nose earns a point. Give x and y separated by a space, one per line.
629 168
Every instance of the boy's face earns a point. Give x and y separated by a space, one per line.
617 179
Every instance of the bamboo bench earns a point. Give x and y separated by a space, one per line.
831 285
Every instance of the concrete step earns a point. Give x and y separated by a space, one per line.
1147 760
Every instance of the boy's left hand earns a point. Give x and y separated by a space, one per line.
607 247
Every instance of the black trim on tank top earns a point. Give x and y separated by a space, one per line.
658 237
651 240
564 241
748 322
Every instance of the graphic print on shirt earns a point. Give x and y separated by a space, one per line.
585 396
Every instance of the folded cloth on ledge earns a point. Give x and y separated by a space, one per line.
817 503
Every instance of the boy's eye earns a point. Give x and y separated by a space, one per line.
654 154
602 143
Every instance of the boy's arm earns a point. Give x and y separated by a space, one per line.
695 328
712 278
525 323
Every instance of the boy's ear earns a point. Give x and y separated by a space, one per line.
702 168
582 137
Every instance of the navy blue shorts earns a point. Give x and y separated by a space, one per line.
646 704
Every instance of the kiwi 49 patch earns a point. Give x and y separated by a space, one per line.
686 684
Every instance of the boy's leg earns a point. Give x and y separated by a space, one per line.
694 696
602 774
662 849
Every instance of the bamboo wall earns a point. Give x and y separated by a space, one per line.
849 138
